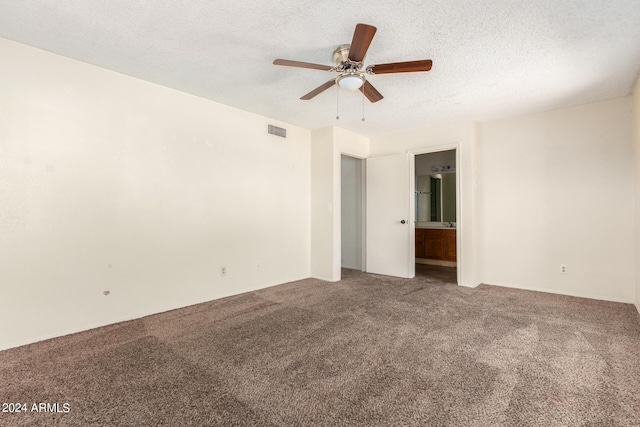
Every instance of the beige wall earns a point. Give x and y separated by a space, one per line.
327 146
112 183
322 205
636 144
557 188
543 190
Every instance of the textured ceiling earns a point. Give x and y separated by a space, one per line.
492 58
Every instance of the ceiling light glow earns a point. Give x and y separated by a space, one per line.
350 81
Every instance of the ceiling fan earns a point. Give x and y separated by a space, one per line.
349 62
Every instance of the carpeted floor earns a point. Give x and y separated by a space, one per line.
369 350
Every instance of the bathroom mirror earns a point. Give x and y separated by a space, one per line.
436 197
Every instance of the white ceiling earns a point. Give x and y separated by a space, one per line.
492 58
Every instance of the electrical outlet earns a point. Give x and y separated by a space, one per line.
563 269
223 271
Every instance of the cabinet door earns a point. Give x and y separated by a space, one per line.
420 253
450 245
434 244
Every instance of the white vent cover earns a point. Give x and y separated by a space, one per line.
275 130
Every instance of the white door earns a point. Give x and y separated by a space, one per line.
390 246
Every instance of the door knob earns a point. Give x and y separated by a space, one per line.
403 222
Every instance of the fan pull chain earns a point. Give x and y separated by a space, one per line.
362 107
337 103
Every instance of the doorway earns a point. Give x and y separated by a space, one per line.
351 211
436 214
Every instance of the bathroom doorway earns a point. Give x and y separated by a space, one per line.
436 211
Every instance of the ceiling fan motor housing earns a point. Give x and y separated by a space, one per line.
350 78
341 54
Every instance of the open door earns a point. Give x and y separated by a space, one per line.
390 216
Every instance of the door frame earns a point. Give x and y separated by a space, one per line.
459 218
363 171
363 201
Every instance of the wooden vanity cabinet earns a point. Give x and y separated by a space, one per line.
420 243
437 244
450 245
434 244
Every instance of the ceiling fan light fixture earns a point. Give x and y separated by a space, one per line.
349 64
350 81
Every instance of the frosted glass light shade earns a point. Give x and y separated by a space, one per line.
350 81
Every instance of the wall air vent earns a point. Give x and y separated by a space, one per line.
275 130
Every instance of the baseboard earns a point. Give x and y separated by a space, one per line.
470 285
134 316
70 331
436 262
324 279
560 292
109 322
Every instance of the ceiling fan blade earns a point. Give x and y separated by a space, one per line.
371 92
362 37
319 89
401 67
299 64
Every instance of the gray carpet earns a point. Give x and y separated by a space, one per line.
369 350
